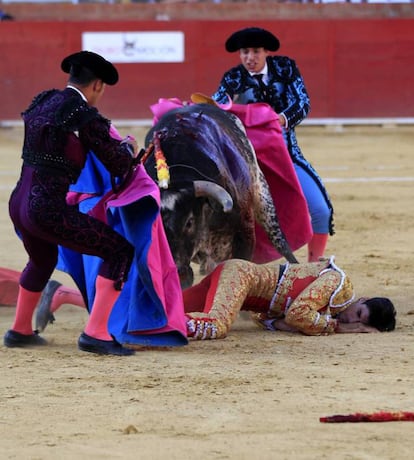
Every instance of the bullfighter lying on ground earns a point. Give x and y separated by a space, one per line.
312 298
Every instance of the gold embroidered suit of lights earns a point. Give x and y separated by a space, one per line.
239 280
308 295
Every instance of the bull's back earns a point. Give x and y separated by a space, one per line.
203 142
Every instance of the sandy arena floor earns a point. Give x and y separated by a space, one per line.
254 395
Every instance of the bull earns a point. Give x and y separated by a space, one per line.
216 189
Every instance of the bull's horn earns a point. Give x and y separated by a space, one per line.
206 188
200 98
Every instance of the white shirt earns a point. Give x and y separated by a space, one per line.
265 80
263 72
78 91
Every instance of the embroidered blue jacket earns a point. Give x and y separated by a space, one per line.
286 93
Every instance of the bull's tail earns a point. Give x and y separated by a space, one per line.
266 216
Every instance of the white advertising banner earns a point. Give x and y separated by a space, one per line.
125 47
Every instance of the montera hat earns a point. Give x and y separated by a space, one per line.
95 63
252 37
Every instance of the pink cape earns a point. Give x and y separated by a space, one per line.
151 303
160 263
265 133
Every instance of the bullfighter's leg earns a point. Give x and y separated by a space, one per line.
91 236
83 234
42 254
319 209
317 246
213 305
105 297
21 333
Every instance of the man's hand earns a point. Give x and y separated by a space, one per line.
132 143
282 120
281 325
344 328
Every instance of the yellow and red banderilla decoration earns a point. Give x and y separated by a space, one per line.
163 173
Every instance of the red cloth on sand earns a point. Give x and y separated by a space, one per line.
9 286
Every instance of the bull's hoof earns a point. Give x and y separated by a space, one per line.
43 315
13 339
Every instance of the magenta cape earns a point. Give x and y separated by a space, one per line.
149 311
264 131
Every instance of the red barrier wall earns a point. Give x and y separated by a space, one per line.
352 67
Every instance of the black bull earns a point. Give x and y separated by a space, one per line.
216 190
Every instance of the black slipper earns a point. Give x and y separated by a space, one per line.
102 347
13 339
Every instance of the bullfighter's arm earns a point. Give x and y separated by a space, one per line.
114 154
223 294
226 88
304 312
296 95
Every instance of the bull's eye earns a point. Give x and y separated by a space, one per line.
189 225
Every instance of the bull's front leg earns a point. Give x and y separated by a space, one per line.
266 216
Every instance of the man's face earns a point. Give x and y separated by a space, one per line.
357 312
98 88
253 59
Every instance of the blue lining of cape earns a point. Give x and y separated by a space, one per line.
138 308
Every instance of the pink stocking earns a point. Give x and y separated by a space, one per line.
26 304
316 246
105 298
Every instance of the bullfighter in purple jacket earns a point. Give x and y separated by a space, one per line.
61 127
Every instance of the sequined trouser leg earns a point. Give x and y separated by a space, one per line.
212 306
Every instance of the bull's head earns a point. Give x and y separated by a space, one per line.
182 214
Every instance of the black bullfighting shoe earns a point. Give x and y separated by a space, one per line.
43 314
13 339
102 347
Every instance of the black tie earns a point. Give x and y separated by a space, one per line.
263 87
